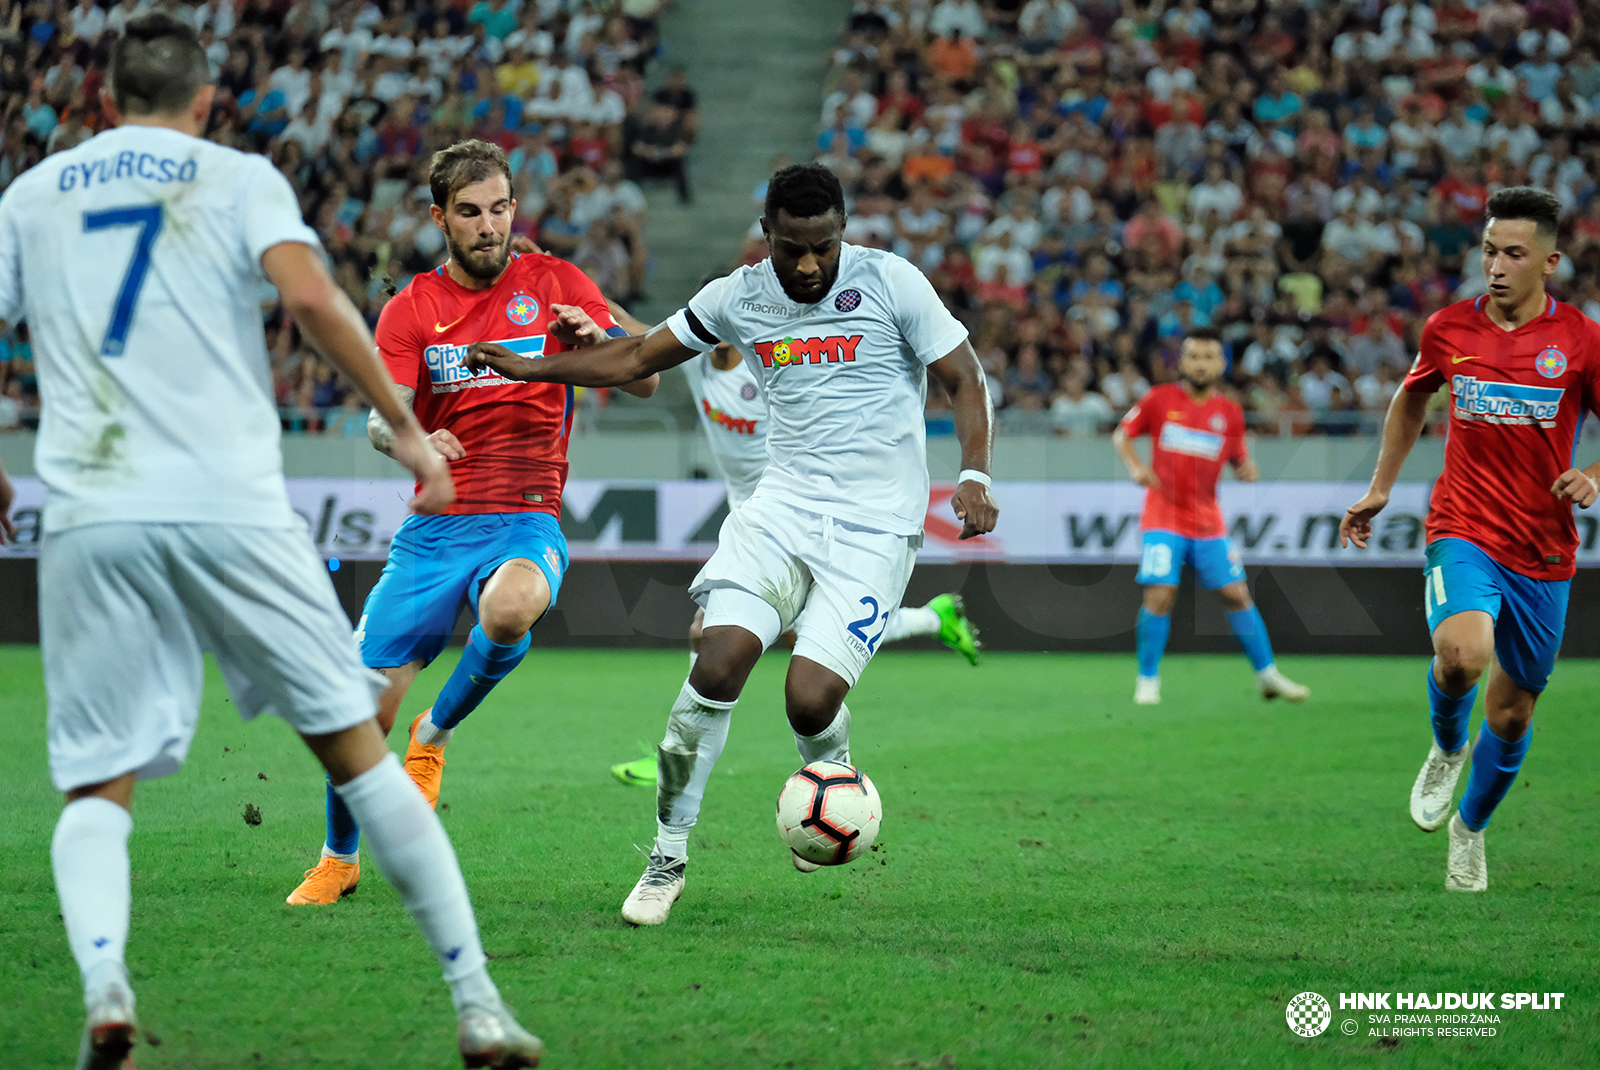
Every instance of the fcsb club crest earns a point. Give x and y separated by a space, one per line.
1550 363
848 300
522 310
1219 422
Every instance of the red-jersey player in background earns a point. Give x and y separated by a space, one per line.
1195 430
1522 369
499 548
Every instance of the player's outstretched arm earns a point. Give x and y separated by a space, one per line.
960 374
1401 428
575 327
614 362
333 325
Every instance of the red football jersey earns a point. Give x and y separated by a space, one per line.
514 434
1190 442
1517 399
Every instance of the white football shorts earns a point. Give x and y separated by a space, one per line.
831 581
126 611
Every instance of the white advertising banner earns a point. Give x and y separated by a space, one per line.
1044 522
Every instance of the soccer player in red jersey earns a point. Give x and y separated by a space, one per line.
499 548
1522 369
1194 431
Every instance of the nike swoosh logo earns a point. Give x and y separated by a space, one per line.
437 329
1433 815
1453 360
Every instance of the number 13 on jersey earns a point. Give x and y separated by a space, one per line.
147 217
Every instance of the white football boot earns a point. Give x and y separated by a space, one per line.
1276 685
490 1037
1436 786
651 899
109 1032
1147 691
1467 869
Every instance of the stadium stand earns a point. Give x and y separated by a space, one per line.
350 99
1083 181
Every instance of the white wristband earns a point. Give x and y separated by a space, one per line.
974 475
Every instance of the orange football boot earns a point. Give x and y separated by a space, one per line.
425 763
329 880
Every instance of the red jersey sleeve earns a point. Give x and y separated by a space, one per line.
1137 421
1427 371
1591 377
398 341
579 289
1237 451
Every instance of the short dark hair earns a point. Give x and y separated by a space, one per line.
158 66
804 190
1203 334
462 164
1527 202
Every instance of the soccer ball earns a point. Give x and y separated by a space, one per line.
828 813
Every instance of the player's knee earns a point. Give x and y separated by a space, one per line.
1160 600
1237 600
1458 666
717 677
811 713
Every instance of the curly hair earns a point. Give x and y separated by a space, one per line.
804 191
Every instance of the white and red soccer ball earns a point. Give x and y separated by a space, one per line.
828 813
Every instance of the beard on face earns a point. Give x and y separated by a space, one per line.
1196 383
792 284
485 263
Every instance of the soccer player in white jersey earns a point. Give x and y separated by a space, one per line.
841 340
727 399
135 260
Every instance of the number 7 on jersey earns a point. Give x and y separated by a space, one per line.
147 217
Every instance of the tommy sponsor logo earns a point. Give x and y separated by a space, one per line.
1505 403
1191 441
785 351
447 364
767 310
722 419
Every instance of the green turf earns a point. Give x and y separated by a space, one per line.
1065 880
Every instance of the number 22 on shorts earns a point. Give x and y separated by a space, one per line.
858 628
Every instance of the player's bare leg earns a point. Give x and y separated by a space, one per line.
1155 624
338 871
513 600
414 853
89 856
1463 646
814 700
697 730
1246 622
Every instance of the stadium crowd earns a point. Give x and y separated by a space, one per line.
1084 181
350 98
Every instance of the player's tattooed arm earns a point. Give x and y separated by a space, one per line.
961 375
1401 429
379 433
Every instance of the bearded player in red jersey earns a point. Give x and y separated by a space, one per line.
499 548
1522 368
1195 430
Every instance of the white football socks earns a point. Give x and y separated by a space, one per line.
697 730
89 855
410 846
349 859
908 621
832 744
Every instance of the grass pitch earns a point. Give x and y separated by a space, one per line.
1065 880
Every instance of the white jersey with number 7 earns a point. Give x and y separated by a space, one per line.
135 259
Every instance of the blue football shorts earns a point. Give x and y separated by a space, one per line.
436 565
1215 561
1529 615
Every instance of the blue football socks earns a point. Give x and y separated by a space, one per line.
483 664
1450 714
1494 766
344 838
1252 632
1151 637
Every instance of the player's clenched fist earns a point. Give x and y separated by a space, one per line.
975 507
1356 527
1576 485
483 355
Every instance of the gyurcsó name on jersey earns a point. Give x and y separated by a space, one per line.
447 364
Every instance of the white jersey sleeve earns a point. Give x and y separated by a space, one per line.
928 327
10 264
703 323
269 209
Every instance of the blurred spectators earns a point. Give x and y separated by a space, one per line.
1083 181
350 98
